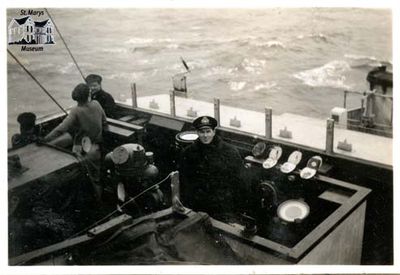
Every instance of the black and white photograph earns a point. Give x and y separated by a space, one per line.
200 136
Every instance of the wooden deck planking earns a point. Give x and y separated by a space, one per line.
40 161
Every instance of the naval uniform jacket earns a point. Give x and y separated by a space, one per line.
210 177
106 101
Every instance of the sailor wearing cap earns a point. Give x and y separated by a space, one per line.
210 172
205 127
97 93
28 131
86 121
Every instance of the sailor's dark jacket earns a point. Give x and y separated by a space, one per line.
106 101
211 177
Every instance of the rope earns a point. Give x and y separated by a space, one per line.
123 205
37 82
65 44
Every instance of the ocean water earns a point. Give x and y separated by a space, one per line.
297 60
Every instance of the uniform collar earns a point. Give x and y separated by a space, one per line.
214 143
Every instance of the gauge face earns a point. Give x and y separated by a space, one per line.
120 155
259 149
292 210
315 162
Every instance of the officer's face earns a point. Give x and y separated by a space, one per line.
206 135
94 87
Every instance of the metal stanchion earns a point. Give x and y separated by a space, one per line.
172 103
330 127
268 123
134 95
217 114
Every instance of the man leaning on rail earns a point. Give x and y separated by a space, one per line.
210 171
97 93
86 121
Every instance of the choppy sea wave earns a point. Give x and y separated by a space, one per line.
331 74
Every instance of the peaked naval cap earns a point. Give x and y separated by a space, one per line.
205 121
93 78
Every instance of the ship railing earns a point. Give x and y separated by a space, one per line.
329 136
356 113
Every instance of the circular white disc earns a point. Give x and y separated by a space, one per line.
292 210
189 136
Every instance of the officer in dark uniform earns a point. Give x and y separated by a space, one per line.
97 93
28 131
210 171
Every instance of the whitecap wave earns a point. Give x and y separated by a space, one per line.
331 74
220 70
125 75
358 57
141 41
359 61
265 86
314 36
115 50
43 66
172 46
270 44
237 85
275 44
253 65
319 36
66 68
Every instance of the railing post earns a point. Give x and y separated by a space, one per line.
175 188
362 105
172 103
175 193
268 123
134 95
330 127
217 114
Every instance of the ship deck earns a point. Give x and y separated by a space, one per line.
306 131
